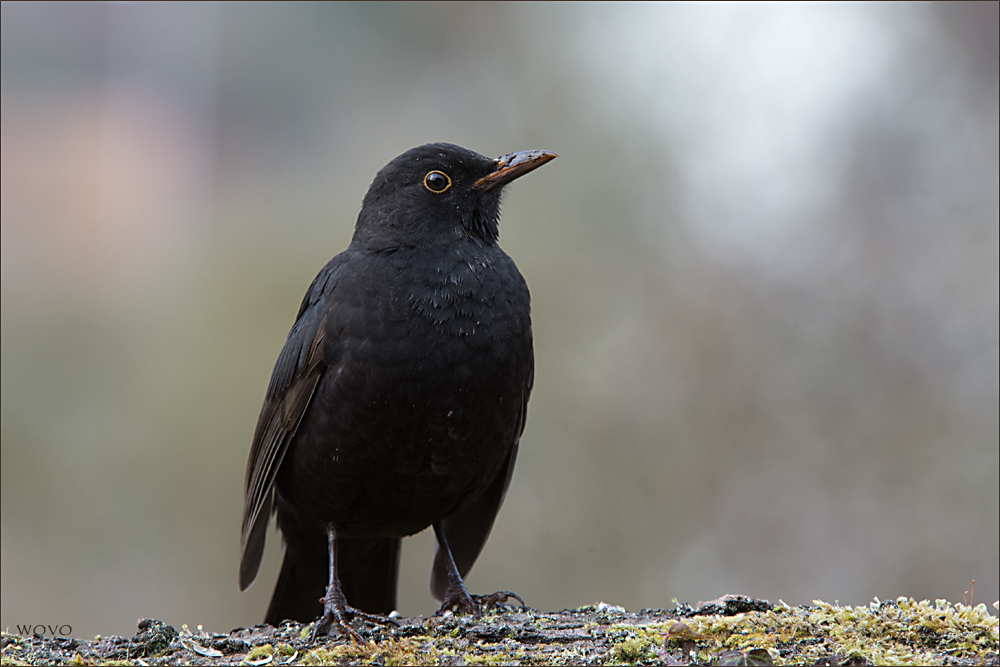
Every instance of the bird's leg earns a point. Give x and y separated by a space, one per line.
335 607
457 596
334 603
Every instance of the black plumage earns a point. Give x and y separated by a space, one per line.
399 398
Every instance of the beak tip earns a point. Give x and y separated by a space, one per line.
514 165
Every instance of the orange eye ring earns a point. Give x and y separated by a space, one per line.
437 181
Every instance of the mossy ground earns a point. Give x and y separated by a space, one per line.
732 630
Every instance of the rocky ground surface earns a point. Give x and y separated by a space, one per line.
733 630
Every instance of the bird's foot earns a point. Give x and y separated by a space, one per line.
459 599
336 612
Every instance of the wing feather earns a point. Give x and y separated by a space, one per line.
293 382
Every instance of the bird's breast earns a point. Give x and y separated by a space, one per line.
470 293
422 398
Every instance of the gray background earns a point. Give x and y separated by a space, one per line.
764 275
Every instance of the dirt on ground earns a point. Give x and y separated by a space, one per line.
733 630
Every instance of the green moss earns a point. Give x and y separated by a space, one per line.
258 652
403 652
900 631
887 633
632 650
486 653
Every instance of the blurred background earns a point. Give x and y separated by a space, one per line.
764 273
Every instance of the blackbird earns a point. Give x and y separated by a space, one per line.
399 398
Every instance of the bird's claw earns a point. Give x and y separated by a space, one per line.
326 622
339 615
459 599
494 600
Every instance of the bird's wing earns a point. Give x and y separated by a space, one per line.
296 374
467 530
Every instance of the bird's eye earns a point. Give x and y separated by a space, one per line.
437 182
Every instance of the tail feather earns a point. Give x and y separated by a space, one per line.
368 570
298 592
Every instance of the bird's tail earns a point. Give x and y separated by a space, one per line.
368 569
298 591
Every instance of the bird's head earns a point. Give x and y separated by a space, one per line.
437 193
